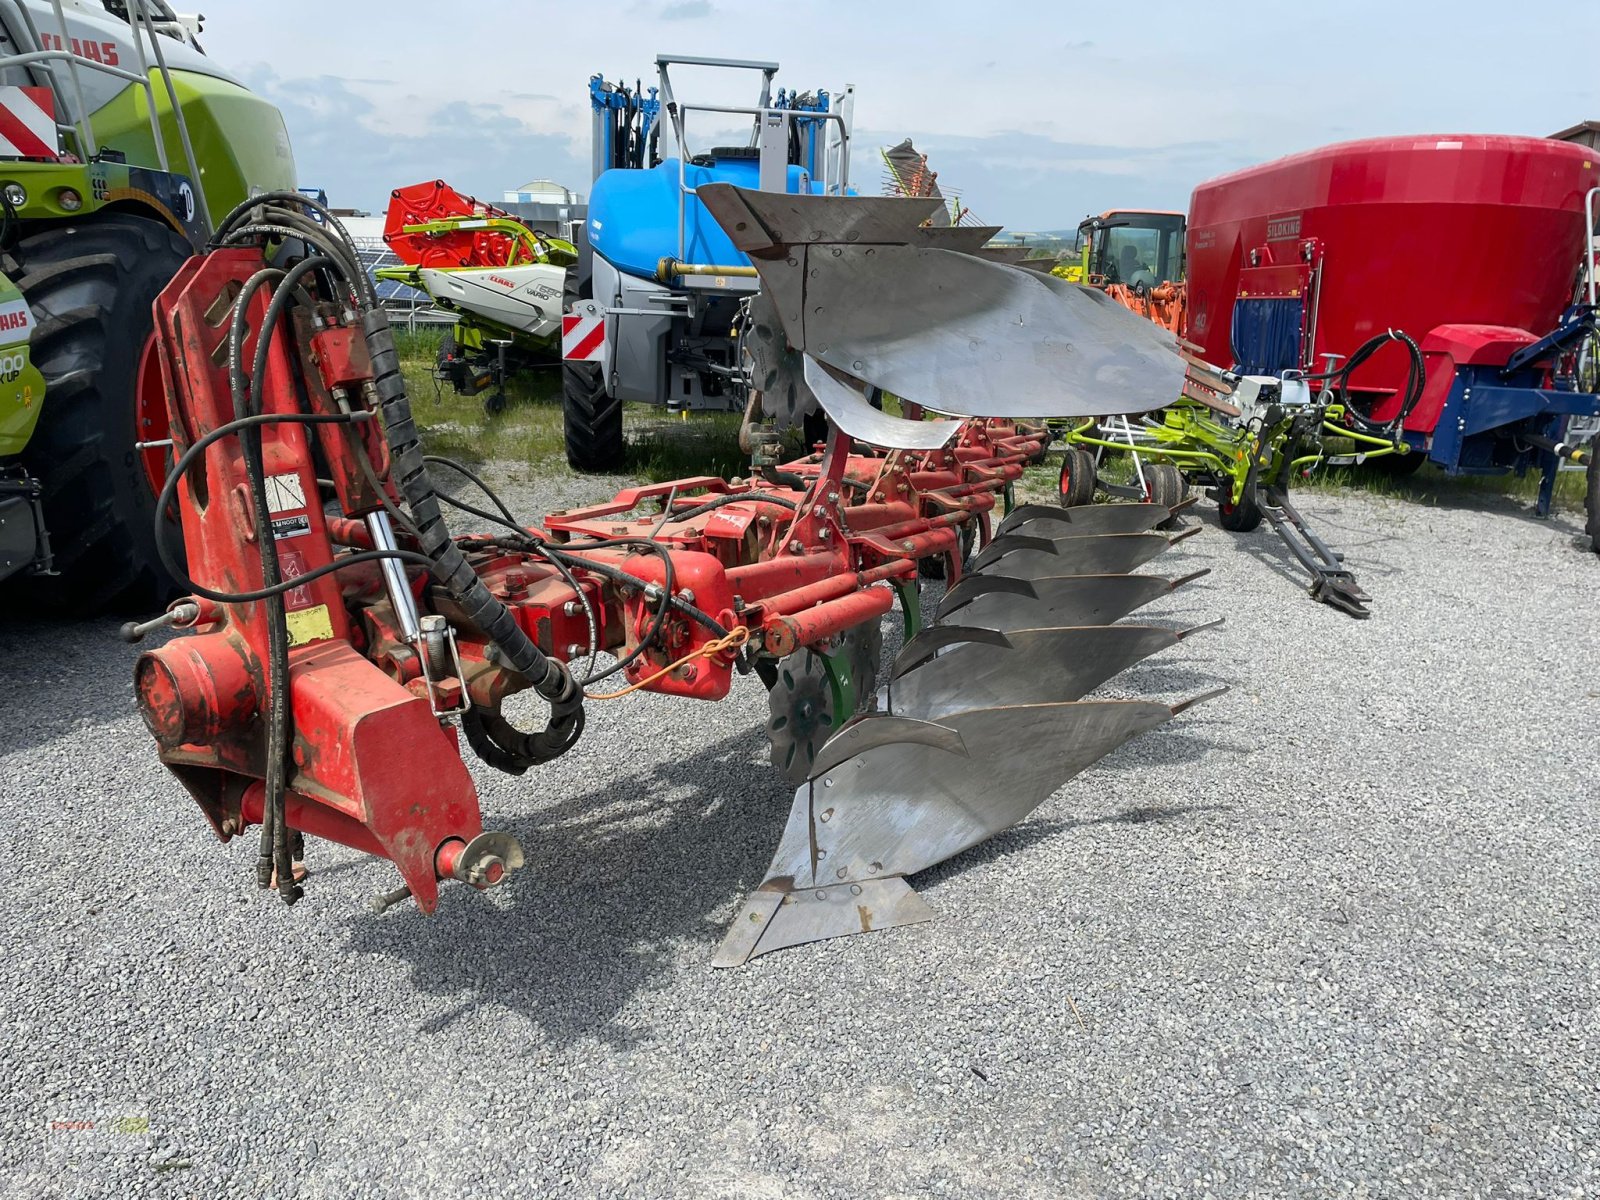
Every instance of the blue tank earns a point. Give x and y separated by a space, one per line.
633 214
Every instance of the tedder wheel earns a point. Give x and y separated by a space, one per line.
91 286
1591 500
592 419
1396 466
1077 477
1165 485
1241 517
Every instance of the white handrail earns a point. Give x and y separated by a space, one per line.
140 23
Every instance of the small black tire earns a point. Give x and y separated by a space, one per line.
1591 499
937 566
447 347
1165 485
1077 477
91 285
1241 517
591 420
1397 466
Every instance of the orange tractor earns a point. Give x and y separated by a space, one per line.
1136 257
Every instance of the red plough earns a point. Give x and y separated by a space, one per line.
339 633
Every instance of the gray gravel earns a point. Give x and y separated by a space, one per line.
1330 934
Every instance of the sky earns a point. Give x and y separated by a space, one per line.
1036 112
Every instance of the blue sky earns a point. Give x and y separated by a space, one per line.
1037 112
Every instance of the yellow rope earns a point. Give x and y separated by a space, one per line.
736 638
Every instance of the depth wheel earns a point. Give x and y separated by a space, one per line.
91 286
1077 477
591 420
1165 485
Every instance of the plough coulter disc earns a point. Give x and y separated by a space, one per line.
804 706
982 718
812 694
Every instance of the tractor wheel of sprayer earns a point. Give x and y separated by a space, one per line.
812 694
1241 517
91 286
1165 485
592 420
1591 501
1077 477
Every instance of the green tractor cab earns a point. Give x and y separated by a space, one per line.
125 143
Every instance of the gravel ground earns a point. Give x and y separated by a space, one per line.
1329 934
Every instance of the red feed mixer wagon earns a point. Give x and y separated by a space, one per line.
1470 244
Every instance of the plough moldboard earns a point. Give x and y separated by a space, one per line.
338 633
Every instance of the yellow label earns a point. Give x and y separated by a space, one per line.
309 625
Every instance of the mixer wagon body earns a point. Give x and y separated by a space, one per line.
1469 243
1404 233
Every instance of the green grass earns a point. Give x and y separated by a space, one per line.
661 447
1431 486
1428 486
529 430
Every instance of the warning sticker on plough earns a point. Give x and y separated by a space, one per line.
285 493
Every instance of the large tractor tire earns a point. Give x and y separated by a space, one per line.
91 286
592 420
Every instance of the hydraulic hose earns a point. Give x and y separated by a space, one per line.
491 736
1338 380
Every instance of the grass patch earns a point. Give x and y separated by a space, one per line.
1431 486
529 430
1428 485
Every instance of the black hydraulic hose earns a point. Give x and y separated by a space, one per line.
516 751
1338 379
280 722
786 479
362 282
488 491
184 464
732 498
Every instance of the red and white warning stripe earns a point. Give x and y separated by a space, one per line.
583 338
28 123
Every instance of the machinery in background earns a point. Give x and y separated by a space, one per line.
120 143
1135 256
503 279
656 295
1469 243
1248 437
337 632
